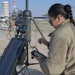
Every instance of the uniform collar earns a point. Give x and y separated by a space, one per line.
62 24
66 21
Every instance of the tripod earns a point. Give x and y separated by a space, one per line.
27 14
27 60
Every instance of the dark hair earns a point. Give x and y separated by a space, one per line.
64 10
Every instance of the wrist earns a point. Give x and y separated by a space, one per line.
48 45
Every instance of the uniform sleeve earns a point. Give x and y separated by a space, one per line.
56 60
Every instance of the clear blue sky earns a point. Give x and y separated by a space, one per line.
39 7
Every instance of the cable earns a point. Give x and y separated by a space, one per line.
9 35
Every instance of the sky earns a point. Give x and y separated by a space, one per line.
38 7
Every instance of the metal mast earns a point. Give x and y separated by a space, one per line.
14 4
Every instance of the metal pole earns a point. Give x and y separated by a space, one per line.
38 28
26 4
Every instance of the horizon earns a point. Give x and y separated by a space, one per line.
37 7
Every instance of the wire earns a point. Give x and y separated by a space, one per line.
9 35
34 47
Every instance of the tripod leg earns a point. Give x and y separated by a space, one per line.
14 72
22 70
38 28
26 71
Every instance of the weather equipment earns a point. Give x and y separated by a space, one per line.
16 52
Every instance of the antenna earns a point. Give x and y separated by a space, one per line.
26 4
14 4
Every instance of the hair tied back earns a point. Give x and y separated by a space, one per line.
67 8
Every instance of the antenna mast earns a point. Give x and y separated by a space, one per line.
14 4
26 4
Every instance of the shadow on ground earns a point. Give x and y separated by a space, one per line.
30 71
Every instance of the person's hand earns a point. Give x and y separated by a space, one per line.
37 57
42 40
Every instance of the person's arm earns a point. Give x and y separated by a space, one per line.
44 41
55 62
